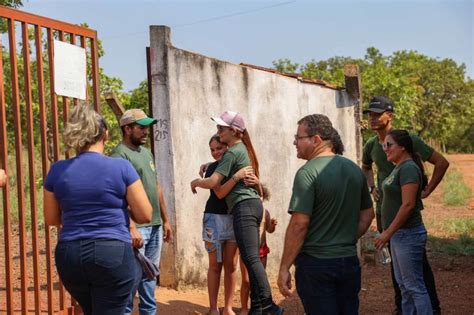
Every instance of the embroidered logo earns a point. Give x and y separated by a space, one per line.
152 166
389 180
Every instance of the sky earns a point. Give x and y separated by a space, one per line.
260 32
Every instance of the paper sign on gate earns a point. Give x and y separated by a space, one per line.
69 70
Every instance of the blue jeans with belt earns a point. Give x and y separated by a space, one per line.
98 273
328 286
407 248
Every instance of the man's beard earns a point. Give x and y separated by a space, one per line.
136 141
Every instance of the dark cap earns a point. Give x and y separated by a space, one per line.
379 104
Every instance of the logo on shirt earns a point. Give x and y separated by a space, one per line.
152 166
389 180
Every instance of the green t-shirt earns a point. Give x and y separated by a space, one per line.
143 162
332 190
233 160
373 153
407 172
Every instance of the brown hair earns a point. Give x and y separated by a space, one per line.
253 157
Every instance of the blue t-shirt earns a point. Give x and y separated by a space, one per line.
91 191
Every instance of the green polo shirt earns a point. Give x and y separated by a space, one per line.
143 162
373 153
233 160
405 173
332 190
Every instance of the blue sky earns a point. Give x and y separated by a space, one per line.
259 32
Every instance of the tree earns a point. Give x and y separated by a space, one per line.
433 97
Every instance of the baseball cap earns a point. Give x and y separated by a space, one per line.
230 119
379 104
137 116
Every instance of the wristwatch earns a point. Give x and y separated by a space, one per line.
371 189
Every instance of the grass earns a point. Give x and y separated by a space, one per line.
455 191
463 245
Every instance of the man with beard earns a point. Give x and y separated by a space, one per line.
380 113
135 125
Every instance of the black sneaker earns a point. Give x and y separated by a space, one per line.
273 310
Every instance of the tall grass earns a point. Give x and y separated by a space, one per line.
455 190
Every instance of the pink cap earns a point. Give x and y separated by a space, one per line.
230 119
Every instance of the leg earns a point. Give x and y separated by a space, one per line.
114 272
213 278
409 246
244 289
396 288
316 284
230 268
348 286
247 218
68 263
430 283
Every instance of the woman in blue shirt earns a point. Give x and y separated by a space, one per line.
90 197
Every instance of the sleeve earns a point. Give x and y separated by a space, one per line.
50 178
409 173
225 164
118 153
303 196
366 158
130 175
366 199
420 147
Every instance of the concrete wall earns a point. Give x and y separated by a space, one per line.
188 88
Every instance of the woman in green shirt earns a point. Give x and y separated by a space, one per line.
402 222
245 205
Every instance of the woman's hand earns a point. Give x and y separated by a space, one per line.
194 184
251 180
381 240
242 173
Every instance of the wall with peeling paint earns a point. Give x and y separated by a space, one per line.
187 90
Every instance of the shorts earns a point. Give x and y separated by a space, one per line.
264 250
217 228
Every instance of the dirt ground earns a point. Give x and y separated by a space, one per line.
454 274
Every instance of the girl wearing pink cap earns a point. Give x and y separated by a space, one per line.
244 203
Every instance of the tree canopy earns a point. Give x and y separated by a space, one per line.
433 97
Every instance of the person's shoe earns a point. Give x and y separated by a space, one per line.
273 310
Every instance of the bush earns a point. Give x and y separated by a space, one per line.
455 191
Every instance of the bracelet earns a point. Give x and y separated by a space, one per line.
371 189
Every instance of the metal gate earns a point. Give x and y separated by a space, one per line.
32 117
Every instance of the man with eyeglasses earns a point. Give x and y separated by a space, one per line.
330 209
380 112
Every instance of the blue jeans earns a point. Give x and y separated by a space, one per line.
328 286
152 241
98 273
407 247
247 216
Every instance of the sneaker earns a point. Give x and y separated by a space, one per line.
273 310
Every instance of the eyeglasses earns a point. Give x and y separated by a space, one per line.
302 137
387 145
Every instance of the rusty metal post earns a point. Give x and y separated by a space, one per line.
6 195
31 166
19 164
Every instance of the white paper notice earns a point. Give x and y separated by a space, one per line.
69 70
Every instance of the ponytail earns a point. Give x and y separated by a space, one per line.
253 157
337 145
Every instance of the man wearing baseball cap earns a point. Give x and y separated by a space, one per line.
135 125
380 112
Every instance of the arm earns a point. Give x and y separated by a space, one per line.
365 219
140 207
223 190
167 231
207 183
51 210
294 239
270 223
409 192
440 166
369 175
3 177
